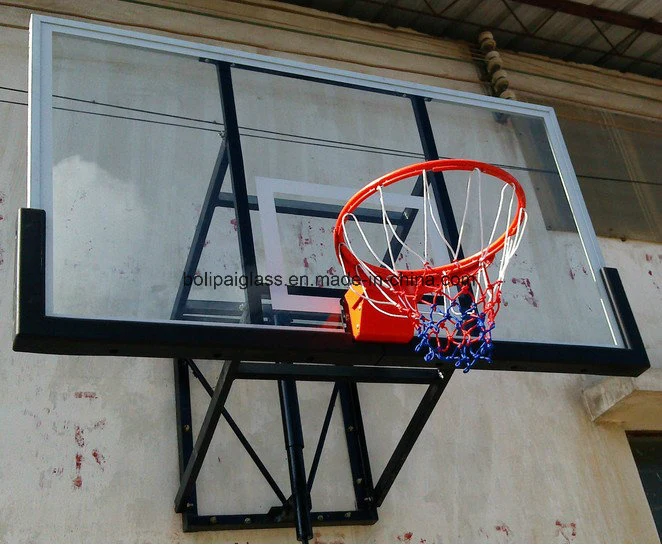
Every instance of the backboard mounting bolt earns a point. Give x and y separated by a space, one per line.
247 520
189 505
212 519
348 515
187 427
441 374
350 429
359 481
320 518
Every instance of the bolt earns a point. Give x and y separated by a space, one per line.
367 499
320 518
359 481
247 520
189 505
212 520
187 427
348 515
350 429
441 374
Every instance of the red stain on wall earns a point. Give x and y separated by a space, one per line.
85 395
99 458
78 481
233 222
649 258
304 241
503 528
78 436
406 538
530 297
566 530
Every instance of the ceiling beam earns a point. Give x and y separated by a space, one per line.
598 14
422 20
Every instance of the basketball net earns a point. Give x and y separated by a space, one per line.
452 308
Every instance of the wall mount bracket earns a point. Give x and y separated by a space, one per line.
296 509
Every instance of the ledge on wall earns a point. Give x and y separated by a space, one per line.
633 403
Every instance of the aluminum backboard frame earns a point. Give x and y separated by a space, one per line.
40 161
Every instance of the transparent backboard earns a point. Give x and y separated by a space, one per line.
146 189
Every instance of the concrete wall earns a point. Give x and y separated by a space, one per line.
88 452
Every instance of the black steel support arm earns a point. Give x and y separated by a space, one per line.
240 435
206 433
322 438
413 430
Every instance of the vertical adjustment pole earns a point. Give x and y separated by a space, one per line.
289 406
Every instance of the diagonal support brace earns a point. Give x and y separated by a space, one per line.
411 434
212 417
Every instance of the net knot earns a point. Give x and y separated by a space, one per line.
467 330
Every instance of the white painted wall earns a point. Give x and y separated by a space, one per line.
88 452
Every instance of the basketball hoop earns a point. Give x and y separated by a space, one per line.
450 308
